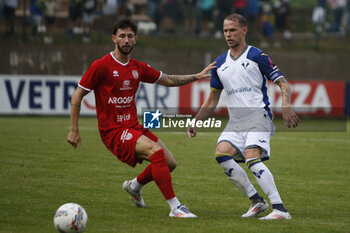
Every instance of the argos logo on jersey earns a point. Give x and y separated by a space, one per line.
120 100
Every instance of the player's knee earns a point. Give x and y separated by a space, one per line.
153 148
171 162
220 150
252 153
225 148
171 165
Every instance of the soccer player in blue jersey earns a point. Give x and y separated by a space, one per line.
242 73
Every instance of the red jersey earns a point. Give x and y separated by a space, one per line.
115 85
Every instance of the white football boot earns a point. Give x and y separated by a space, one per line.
256 209
276 214
181 212
136 196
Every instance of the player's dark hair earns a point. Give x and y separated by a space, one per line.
242 21
122 24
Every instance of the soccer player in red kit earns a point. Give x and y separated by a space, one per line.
115 79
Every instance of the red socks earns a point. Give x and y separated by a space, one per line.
159 171
145 176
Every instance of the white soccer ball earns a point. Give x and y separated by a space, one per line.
70 218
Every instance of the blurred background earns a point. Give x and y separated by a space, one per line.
308 39
47 45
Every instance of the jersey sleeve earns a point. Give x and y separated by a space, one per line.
149 74
268 68
215 83
92 76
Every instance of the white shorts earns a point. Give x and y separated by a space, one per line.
258 134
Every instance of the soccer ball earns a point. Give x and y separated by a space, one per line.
70 218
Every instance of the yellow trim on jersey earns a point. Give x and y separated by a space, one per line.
215 90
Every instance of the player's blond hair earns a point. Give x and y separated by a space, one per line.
242 21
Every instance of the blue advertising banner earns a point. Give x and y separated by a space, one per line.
347 99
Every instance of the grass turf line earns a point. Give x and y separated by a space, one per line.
39 171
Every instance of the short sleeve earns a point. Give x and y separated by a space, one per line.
215 83
149 74
268 68
92 76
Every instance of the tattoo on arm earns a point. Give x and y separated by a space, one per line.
285 89
177 80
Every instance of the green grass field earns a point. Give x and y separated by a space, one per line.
39 171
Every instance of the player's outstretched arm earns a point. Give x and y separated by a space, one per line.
205 111
179 80
74 137
290 118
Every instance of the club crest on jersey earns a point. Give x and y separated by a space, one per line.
135 74
245 64
115 73
126 135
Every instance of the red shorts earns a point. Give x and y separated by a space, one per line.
121 142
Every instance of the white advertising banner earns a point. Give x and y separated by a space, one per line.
51 95
312 98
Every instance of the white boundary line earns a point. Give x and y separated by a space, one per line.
211 134
324 139
277 138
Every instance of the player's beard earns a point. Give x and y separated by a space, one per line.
125 51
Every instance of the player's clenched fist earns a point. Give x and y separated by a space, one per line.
74 139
